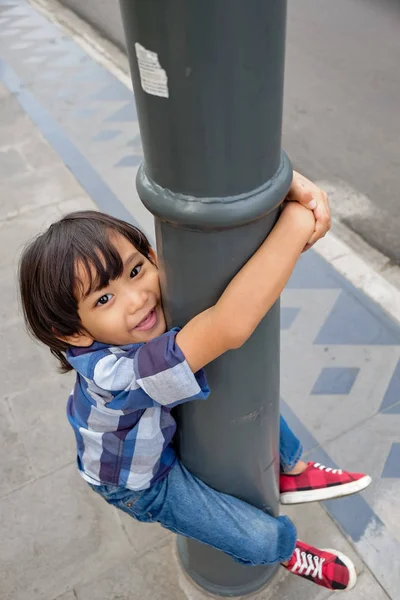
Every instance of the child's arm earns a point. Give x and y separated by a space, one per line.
250 294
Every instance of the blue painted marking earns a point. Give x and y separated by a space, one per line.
335 380
136 142
288 315
125 114
84 113
307 439
355 516
106 136
392 464
352 323
392 395
113 92
129 161
311 273
392 410
89 74
73 159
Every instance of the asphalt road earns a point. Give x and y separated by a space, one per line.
342 109
342 105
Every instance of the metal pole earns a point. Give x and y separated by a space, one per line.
208 82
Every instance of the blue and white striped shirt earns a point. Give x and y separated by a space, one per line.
120 409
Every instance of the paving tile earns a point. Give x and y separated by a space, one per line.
22 362
143 536
38 153
14 235
10 310
55 533
12 164
16 470
81 202
50 443
37 189
154 575
8 426
43 402
15 125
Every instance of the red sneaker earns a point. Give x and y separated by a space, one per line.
328 568
318 482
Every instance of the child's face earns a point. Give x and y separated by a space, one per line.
129 309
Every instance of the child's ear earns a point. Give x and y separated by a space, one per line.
82 340
153 257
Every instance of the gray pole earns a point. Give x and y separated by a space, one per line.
209 104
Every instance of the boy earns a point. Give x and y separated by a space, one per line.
90 291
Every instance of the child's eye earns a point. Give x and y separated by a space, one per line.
103 300
135 271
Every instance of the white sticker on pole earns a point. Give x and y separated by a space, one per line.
153 77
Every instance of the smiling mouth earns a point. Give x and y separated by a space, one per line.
148 322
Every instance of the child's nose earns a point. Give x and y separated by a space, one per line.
136 300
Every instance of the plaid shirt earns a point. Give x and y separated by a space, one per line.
120 409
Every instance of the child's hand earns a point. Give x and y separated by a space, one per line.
303 218
310 195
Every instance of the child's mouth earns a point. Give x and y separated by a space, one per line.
148 322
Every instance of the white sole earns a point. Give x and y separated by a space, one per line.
350 566
336 491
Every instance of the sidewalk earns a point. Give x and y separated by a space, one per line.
69 139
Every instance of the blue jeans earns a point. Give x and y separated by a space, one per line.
186 505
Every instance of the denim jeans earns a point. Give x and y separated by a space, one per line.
185 505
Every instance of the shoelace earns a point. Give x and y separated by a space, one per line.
305 563
327 469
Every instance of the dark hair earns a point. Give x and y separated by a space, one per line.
48 282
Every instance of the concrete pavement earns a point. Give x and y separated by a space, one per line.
340 375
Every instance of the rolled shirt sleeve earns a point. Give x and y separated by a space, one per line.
164 374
